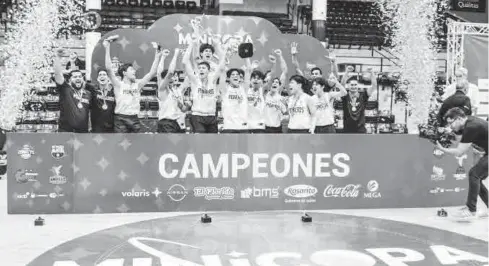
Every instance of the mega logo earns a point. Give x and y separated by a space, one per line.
301 193
214 193
348 191
372 188
398 256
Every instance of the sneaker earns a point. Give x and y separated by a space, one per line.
465 215
483 214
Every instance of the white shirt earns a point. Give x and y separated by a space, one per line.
274 109
472 93
127 99
169 105
300 118
204 99
256 107
235 108
324 110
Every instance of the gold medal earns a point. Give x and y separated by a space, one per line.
80 105
353 108
104 106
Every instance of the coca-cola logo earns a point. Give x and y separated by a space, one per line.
300 191
348 191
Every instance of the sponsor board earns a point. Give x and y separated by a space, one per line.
439 190
24 176
348 191
438 174
26 152
300 194
214 193
254 192
141 193
57 178
58 151
32 195
177 192
372 190
438 153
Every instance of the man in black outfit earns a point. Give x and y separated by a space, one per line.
74 98
474 133
458 99
103 104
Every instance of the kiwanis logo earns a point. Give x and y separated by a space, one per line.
58 151
57 178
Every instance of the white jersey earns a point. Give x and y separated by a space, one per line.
127 99
204 99
169 106
274 108
324 110
256 107
235 109
300 118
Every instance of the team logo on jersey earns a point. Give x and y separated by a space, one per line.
58 151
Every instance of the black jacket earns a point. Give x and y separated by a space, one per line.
458 99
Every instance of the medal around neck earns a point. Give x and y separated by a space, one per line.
80 105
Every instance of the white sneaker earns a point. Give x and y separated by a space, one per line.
483 214
465 215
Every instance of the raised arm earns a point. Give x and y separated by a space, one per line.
247 76
346 76
58 68
295 61
373 78
152 71
189 70
171 69
222 52
334 66
108 65
337 94
283 66
311 104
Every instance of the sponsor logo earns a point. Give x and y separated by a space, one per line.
438 174
300 194
214 193
348 191
372 188
58 151
26 152
141 193
177 192
253 192
439 190
438 153
57 178
32 195
24 176
460 173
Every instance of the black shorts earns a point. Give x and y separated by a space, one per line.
126 124
72 130
203 124
298 131
257 131
169 126
235 131
273 130
325 129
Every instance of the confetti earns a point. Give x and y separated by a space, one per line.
414 26
29 49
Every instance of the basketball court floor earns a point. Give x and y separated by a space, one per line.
336 238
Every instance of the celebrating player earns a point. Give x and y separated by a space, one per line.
103 105
301 107
324 97
127 92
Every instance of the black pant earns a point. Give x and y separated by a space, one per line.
476 174
73 130
298 131
126 124
325 129
203 124
273 130
257 131
235 131
103 129
169 126
355 130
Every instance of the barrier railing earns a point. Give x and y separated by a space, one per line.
85 173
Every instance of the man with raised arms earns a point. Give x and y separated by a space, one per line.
127 91
324 96
204 91
301 107
275 103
